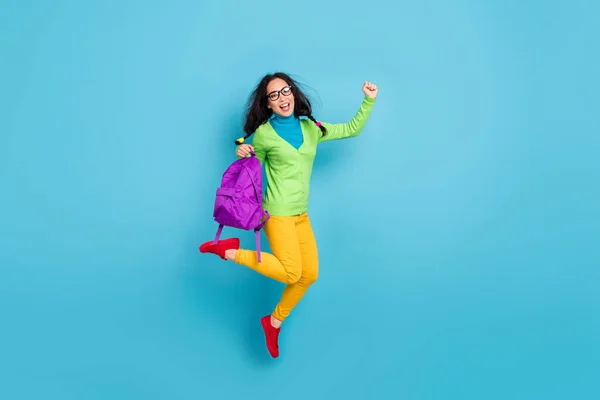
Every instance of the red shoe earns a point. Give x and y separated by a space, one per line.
221 247
271 335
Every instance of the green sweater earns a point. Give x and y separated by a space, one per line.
289 170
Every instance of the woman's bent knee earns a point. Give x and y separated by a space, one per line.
293 272
311 277
292 279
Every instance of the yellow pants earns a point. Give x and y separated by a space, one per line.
294 261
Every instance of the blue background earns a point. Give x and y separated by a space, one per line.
459 253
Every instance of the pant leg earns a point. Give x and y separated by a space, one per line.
294 292
285 264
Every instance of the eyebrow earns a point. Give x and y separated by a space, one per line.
277 90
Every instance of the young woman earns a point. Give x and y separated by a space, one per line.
286 143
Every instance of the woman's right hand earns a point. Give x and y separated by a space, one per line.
244 150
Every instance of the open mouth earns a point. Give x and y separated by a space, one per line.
285 107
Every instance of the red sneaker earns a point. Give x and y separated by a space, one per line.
271 335
221 247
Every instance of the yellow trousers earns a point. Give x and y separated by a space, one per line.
294 261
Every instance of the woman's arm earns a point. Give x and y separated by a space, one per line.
259 148
357 123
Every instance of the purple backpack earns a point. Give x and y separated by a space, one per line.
239 199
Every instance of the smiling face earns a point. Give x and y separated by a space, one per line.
280 97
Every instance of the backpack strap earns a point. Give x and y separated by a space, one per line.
254 185
262 224
216 239
257 234
257 238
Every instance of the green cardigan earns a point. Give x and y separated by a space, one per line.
289 170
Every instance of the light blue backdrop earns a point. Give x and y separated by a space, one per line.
458 235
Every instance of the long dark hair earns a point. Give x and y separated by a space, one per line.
257 112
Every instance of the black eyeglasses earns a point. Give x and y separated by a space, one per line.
286 91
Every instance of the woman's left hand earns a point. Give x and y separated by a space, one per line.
370 89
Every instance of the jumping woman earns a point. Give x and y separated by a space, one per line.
285 141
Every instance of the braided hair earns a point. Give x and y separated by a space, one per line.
258 112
